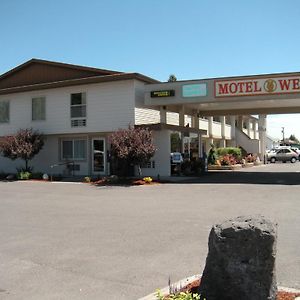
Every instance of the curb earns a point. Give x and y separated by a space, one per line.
183 282
177 285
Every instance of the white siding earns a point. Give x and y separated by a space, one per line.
173 118
227 131
109 106
146 116
203 124
161 156
143 114
216 130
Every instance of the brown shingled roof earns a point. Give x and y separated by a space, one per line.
42 74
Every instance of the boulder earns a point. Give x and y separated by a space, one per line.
10 177
241 260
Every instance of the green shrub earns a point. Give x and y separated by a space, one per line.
24 175
234 151
212 155
87 179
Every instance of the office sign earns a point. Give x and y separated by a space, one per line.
161 94
194 90
257 86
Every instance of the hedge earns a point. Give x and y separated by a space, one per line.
236 152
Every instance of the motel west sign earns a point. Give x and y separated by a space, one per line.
259 86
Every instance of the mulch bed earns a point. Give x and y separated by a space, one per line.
281 295
128 182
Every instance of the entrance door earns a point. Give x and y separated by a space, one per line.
98 156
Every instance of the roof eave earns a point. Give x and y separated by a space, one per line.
80 81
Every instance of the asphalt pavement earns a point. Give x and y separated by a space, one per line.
76 241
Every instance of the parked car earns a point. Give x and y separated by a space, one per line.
296 150
283 155
176 158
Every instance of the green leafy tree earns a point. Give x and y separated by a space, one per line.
293 138
172 78
212 155
25 144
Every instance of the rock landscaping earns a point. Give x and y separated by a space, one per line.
241 260
240 265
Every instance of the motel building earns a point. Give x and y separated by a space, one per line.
77 108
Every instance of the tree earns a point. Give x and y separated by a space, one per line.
25 144
172 78
132 146
293 138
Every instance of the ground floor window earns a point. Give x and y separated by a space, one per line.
73 149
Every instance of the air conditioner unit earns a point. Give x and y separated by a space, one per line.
78 122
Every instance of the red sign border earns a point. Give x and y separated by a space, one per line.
255 78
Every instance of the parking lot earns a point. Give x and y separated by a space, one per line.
76 241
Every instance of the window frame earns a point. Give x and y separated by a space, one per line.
73 141
78 105
38 97
8 116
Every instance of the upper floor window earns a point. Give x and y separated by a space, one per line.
78 105
38 109
4 111
78 109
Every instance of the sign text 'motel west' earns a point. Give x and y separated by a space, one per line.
259 86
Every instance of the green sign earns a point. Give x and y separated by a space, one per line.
194 90
160 94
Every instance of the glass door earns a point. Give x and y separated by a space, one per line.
98 156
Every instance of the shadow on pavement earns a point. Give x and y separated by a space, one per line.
273 178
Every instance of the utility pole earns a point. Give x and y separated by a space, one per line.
282 131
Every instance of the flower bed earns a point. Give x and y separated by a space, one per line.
228 167
115 180
193 285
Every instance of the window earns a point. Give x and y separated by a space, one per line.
4 111
73 149
38 109
78 105
78 110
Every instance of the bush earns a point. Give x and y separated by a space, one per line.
186 167
212 155
87 179
227 160
130 147
147 179
234 151
198 165
24 175
250 158
25 144
178 296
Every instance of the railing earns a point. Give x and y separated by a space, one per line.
68 163
227 131
216 130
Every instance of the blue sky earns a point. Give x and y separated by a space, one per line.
192 39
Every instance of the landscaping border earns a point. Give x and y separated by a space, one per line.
188 280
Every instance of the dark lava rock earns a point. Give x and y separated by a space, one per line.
241 260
